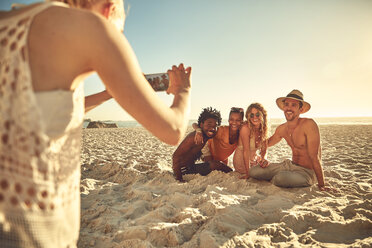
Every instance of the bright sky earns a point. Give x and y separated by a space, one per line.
246 51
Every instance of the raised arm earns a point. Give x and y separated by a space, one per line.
198 139
94 100
111 56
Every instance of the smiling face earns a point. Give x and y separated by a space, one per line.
255 117
209 127
291 109
235 120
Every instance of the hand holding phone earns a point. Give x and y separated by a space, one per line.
180 79
174 81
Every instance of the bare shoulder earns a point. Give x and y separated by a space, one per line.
70 19
308 123
185 144
61 26
245 128
190 135
281 128
243 123
309 126
82 34
67 35
189 138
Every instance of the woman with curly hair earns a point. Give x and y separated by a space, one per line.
252 144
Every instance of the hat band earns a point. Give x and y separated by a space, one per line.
295 96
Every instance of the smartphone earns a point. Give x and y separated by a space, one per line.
158 81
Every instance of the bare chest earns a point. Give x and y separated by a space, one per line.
295 138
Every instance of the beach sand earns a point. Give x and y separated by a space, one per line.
129 197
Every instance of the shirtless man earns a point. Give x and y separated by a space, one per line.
188 152
302 135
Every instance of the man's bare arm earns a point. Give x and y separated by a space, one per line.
180 154
313 147
276 137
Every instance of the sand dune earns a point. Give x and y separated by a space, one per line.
130 198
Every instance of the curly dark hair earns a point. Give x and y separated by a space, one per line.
210 113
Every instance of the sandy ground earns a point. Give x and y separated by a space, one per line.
130 198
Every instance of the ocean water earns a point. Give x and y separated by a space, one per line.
274 121
334 120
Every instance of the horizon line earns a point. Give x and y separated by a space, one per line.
273 118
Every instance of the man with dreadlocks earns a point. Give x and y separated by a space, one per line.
188 152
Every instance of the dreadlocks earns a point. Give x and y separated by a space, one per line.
209 113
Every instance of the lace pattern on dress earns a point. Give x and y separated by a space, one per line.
39 176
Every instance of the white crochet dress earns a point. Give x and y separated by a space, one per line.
40 135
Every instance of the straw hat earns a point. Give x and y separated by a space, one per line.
295 95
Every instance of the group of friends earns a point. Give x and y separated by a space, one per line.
47 49
249 141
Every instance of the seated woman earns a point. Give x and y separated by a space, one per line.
252 139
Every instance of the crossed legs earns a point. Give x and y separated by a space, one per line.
285 174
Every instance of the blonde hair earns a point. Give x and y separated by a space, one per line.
263 117
117 15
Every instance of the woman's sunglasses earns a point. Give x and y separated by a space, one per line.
252 115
